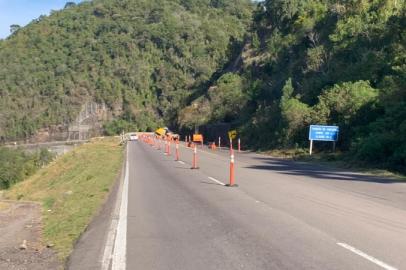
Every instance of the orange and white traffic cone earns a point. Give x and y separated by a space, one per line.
232 177
194 163
177 151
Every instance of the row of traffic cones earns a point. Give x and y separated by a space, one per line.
157 142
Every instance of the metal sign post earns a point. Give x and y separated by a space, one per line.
311 147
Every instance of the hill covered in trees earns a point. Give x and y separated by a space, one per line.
319 62
268 69
142 58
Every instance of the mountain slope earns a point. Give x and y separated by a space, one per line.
268 71
318 62
142 58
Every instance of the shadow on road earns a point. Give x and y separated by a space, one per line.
289 167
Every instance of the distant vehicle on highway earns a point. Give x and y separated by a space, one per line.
133 137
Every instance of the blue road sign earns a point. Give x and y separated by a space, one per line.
323 133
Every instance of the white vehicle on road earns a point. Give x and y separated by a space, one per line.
133 137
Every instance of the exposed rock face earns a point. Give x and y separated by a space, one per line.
88 124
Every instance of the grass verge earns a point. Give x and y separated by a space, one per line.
71 190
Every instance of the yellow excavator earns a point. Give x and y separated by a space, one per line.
165 132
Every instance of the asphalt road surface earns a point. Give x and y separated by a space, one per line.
283 215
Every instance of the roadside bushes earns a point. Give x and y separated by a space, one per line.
345 104
375 133
385 144
16 165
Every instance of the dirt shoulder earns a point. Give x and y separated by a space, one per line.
21 245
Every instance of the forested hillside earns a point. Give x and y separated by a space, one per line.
142 58
319 62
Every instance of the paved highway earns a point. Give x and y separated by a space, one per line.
283 215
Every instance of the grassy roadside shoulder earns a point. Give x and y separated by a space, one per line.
333 160
71 190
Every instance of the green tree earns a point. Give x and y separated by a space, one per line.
295 114
14 28
227 98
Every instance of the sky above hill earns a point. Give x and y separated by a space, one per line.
22 12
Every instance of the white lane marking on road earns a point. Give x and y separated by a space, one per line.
108 248
217 181
366 256
120 245
181 162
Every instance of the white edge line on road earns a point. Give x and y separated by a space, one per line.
120 245
366 256
181 162
217 181
108 248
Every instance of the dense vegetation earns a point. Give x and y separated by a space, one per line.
142 58
320 62
269 69
16 164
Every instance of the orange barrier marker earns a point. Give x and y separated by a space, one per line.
239 145
232 180
219 142
194 163
177 151
169 148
